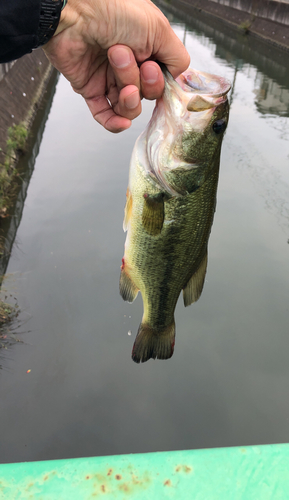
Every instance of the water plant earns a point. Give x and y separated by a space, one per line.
245 26
8 315
6 312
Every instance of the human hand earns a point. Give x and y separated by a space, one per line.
102 47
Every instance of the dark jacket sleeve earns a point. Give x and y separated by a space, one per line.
19 21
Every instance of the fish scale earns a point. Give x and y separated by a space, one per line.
170 250
169 211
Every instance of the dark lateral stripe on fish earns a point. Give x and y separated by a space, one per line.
151 343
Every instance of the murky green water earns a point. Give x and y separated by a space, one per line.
228 381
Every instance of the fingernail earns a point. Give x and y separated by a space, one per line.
150 74
120 57
132 100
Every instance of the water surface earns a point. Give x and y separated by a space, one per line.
227 382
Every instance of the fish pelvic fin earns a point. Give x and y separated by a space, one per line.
194 287
154 343
127 289
153 213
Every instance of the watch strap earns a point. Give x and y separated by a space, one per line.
50 11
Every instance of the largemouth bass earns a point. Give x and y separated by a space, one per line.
170 205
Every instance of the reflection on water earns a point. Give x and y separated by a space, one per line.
271 98
170 205
227 383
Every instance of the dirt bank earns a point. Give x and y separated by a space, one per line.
265 19
22 87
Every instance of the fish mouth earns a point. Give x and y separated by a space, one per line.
202 83
197 90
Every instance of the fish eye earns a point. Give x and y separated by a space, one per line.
219 126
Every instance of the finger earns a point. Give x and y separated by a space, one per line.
170 51
124 66
103 113
152 80
127 102
94 93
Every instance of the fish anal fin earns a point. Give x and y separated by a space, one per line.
154 343
127 289
153 213
194 287
127 209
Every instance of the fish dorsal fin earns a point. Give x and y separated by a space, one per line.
127 210
153 213
127 288
199 103
194 287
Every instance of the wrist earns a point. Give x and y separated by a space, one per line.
73 11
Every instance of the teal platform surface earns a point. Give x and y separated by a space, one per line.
253 472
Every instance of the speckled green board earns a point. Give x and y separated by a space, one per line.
254 472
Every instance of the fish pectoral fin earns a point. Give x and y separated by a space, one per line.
153 213
127 210
127 288
194 287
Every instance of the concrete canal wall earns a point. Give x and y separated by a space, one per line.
266 9
265 19
22 85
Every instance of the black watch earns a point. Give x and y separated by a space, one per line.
50 11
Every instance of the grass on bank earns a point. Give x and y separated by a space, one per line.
245 26
6 313
15 146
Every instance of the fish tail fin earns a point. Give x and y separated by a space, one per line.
153 343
